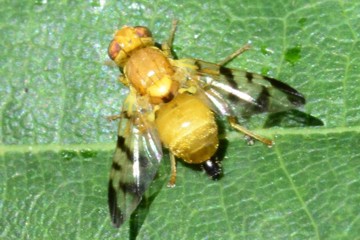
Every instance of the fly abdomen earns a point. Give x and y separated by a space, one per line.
187 127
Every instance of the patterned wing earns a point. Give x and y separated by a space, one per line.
136 160
244 91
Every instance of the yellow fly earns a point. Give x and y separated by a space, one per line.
172 103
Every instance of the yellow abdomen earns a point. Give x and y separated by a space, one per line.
187 127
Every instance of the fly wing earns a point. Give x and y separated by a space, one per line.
249 92
136 160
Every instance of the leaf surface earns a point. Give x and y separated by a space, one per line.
56 144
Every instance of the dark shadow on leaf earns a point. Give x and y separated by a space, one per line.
136 220
219 154
292 118
216 159
138 217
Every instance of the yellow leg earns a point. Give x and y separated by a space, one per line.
173 171
234 54
167 46
114 117
233 122
118 116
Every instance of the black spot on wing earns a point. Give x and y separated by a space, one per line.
293 96
228 74
121 145
230 78
263 101
144 162
117 217
116 166
198 65
121 142
132 188
249 76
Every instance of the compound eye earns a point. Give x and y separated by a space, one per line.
114 49
142 32
126 40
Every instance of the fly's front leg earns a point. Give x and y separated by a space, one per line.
114 117
234 124
234 54
167 46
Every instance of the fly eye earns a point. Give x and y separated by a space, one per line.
114 49
142 32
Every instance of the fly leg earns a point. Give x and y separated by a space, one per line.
234 54
232 119
234 124
114 117
167 46
173 171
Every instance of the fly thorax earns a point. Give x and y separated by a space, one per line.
150 73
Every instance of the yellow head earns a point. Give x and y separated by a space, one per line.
126 40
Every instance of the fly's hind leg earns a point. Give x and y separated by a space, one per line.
231 119
234 54
234 124
173 171
167 46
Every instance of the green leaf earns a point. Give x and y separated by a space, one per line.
56 144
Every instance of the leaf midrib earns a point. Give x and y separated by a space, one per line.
230 135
